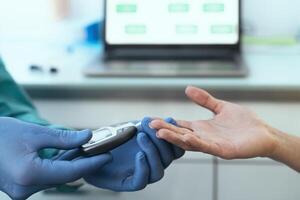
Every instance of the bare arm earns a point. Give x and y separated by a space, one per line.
233 133
288 149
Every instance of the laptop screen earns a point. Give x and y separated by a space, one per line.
172 22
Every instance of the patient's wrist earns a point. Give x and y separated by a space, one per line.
273 143
280 144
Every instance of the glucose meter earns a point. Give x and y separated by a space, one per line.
107 138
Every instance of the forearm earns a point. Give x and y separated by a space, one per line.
287 150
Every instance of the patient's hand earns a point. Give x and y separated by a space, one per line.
234 131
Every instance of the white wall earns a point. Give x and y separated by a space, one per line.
24 13
280 17
86 8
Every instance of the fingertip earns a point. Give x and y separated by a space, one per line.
86 134
161 133
141 174
158 135
79 137
146 124
179 152
193 91
159 124
154 124
188 89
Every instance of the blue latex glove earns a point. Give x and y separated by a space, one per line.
23 172
167 151
137 163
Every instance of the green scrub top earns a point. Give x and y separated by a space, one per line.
14 102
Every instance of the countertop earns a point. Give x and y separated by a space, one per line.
272 71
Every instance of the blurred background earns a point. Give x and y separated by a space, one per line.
49 18
54 36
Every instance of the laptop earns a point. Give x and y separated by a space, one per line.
171 38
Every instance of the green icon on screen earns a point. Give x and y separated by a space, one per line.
126 8
135 29
223 29
213 7
178 8
186 29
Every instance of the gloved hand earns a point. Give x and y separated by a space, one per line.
167 151
23 172
138 162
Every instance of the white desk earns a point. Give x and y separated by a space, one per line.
277 71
